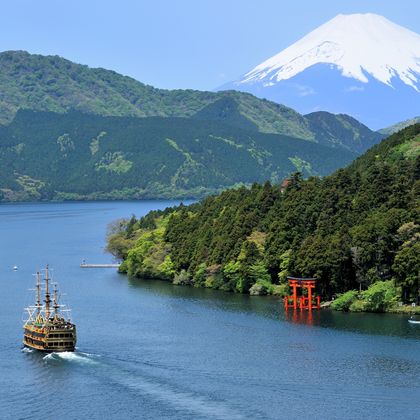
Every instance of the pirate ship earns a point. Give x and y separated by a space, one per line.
46 328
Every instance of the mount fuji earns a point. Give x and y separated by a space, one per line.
359 64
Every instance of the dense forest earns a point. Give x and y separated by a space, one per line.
46 156
354 229
70 132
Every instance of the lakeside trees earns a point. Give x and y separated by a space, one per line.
350 230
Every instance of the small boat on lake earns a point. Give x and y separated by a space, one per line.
413 321
15 267
46 328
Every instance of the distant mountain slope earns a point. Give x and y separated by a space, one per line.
52 83
342 130
47 155
399 126
324 128
360 64
252 113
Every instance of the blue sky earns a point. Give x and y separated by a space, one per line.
198 44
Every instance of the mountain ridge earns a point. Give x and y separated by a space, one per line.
399 126
52 83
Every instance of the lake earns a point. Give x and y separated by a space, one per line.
148 349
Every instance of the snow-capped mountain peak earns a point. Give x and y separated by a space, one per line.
359 45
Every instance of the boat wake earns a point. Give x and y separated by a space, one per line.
186 401
138 382
27 350
67 356
130 376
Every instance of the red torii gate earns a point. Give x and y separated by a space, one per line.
305 302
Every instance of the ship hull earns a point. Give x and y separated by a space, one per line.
44 350
50 339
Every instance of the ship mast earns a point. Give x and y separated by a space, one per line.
38 294
47 295
55 302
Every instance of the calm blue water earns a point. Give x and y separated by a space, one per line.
147 349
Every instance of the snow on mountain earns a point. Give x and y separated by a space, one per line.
356 44
359 64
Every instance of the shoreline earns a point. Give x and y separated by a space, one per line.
132 200
325 305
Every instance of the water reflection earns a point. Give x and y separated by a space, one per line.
304 317
267 306
272 307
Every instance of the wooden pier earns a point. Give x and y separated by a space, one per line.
84 265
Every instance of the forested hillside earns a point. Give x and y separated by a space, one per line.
46 156
73 132
352 229
52 83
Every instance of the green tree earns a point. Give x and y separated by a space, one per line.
407 268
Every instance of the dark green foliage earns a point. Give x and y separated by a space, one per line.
356 228
74 156
406 261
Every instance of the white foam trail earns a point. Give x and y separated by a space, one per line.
27 350
184 400
69 356
82 353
